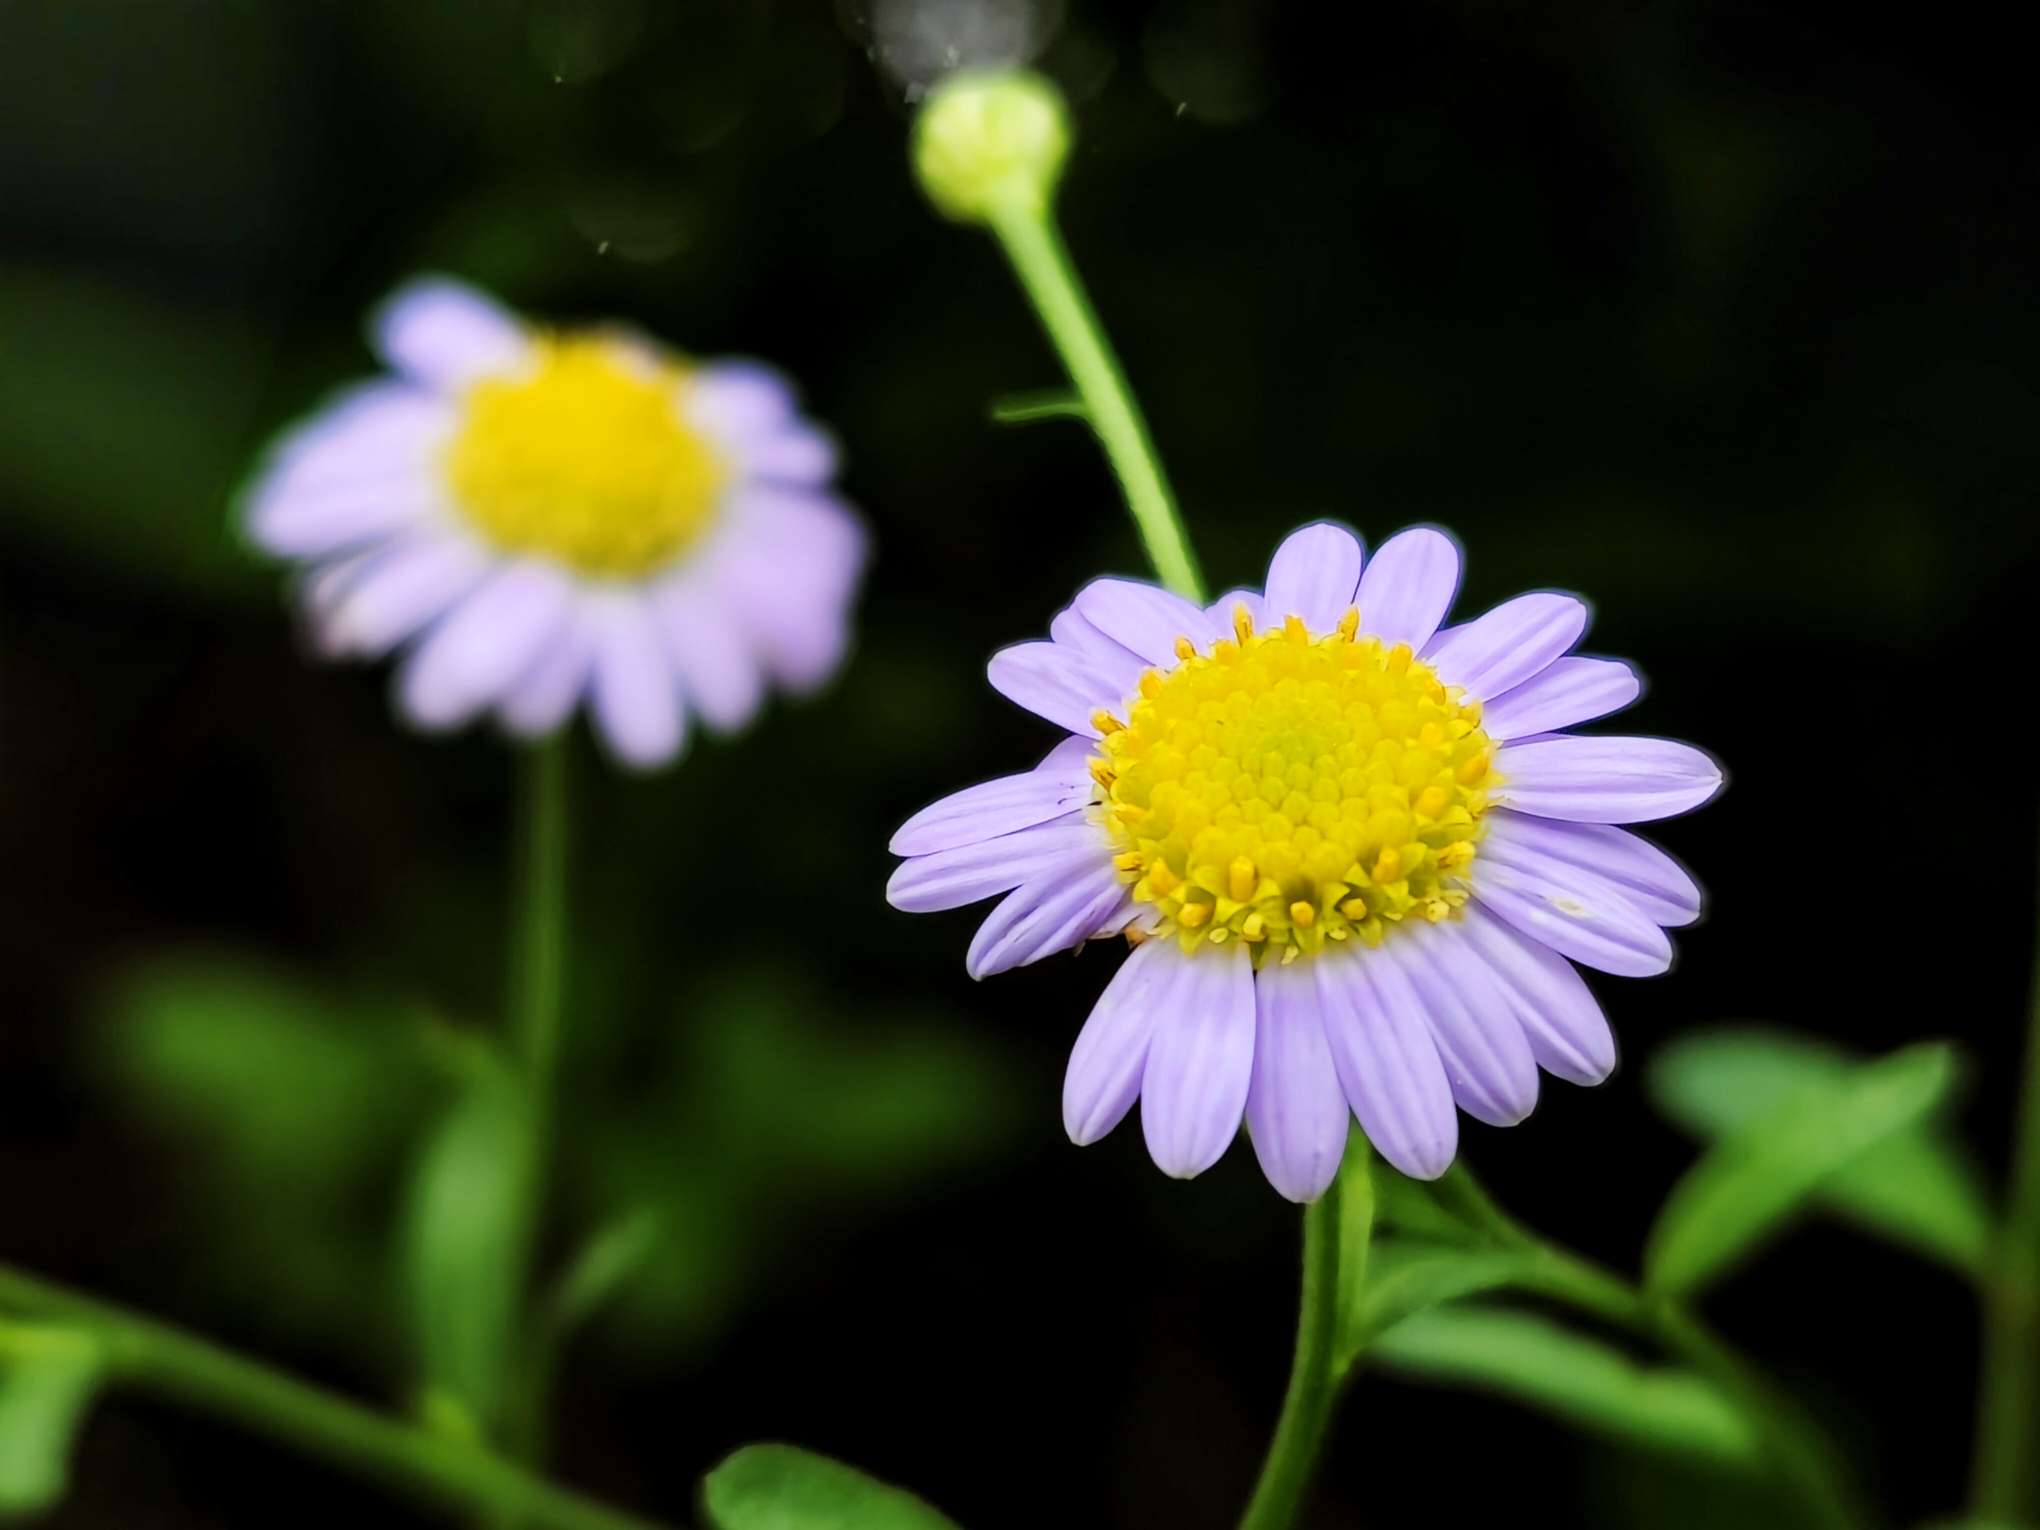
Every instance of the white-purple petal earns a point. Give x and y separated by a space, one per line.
1617 779
1656 885
447 335
1057 683
1314 575
924 884
1387 1062
719 674
544 696
1506 646
1046 914
1110 1055
310 520
636 700
1486 1055
406 588
1568 691
1297 1113
1144 618
1576 914
1058 786
1408 586
1200 1061
1224 610
1562 1020
1070 630
485 643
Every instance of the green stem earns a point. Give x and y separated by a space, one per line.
1800 1453
1307 1406
1034 245
166 1362
2008 1407
537 985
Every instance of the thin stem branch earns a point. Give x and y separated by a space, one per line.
1313 1390
1799 1451
1034 245
165 1361
2002 1482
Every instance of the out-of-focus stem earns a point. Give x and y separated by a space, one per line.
156 1358
2002 1482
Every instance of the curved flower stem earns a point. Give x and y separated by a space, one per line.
1313 1389
156 1358
2002 1479
537 987
1800 1453
1034 245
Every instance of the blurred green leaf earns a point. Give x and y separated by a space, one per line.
1409 1206
1916 1188
612 1257
305 1108
1408 1277
778 1487
467 1232
1537 1362
1356 1236
123 426
1757 1176
48 1377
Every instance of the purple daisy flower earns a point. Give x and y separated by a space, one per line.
539 518
1354 853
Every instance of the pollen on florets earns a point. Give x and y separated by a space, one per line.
585 456
1293 791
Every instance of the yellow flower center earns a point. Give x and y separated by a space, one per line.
1288 790
585 457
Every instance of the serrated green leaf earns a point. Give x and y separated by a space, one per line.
1407 1277
1538 1362
1756 1177
1917 1188
780 1487
467 1232
1409 1206
48 1377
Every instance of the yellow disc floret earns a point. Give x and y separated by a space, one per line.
585 457
1289 790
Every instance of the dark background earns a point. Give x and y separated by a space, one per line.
1722 315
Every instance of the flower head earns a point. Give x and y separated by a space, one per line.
541 518
1354 855
991 142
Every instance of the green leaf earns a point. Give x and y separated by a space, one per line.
1409 1206
1758 1175
1355 1234
616 1253
467 1232
1028 408
779 1487
1409 1277
48 1377
1536 1361
1916 1188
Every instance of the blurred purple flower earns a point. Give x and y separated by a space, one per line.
538 519
1354 855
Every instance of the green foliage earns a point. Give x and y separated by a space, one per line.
1407 1278
48 1377
467 1233
778 1487
1757 1176
305 1109
1917 1187
1030 408
1582 1380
